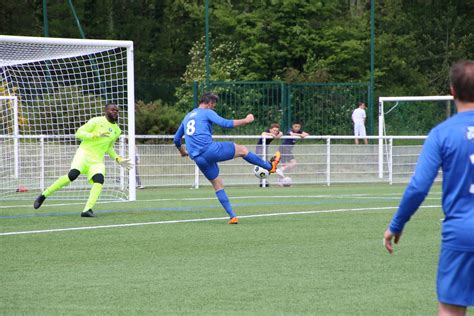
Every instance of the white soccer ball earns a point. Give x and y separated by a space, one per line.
260 172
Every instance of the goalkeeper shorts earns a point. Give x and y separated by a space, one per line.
86 167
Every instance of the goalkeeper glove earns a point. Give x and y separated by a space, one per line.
124 163
100 134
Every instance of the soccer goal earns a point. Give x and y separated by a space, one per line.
411 118
49 87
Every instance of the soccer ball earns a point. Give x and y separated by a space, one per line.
260 172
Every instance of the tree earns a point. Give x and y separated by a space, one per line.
226 66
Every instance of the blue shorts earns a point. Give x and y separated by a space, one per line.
207 161
455 281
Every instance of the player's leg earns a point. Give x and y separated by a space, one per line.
97 184
451 310
250 157
96 176
78 166
218 186
211 172
58 184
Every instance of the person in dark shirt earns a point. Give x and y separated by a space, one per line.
269 135
288 160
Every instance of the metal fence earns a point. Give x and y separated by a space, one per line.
322 108
322 160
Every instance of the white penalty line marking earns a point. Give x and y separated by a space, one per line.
343 196
203 220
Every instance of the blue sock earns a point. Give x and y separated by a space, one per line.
222 197
256 160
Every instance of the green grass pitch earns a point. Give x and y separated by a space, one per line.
317 250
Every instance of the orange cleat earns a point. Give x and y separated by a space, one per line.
275 161
233 220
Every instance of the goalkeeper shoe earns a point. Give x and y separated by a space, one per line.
233 221
88 213
275 161
39 200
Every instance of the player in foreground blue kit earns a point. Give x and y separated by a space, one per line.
450 145
197 130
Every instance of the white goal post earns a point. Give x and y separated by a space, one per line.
381 127
49 87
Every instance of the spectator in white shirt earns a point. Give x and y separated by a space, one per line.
358 118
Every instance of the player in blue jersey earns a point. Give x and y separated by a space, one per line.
450 145
197 130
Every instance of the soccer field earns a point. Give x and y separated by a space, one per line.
298 250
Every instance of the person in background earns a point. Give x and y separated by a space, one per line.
268 135
358 118
137 175
286 148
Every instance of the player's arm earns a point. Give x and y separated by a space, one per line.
304 134
177 141
225 123
123 162
247 120
86 131
426 171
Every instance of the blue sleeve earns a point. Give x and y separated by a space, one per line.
222 122
179 134
426 171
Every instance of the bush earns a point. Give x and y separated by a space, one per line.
156 118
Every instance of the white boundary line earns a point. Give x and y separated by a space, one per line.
202 220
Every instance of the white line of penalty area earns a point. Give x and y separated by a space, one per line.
203 220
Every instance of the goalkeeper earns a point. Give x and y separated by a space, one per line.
97 137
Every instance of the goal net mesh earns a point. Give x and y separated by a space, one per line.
415 118
409 116
58 87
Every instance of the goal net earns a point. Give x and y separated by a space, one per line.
411 118
49 87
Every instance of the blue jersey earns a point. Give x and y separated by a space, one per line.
197 130
450 145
